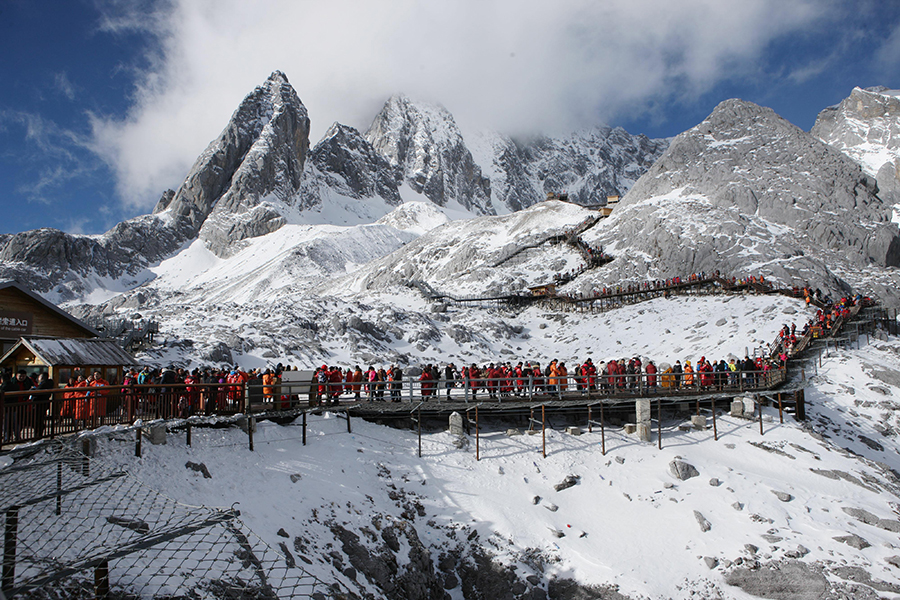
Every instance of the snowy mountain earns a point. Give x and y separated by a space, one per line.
746 191
589 165
866 127
423 142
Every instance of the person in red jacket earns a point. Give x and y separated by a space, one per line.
651 371
335 384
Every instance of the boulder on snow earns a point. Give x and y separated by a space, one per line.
682 470
566 483
704 524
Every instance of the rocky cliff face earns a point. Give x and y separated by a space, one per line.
589 165
866 127
747 191
350 166
423 142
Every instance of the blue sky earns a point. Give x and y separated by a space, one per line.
104 104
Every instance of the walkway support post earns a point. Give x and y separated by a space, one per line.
138 434
188 438
347 412
759 409
250 424
715 430
9 547
659 420
59 470
602 431
544 430
303 427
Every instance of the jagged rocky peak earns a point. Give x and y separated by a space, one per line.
231 192
350 165
866 127
424 142
746 188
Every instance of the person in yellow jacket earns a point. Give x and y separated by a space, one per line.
553 380
688 377
268 380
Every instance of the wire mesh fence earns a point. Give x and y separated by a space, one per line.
77 527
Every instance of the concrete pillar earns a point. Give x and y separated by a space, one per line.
698 421
737 408
644 432
749 406
642 411
456 424
157 435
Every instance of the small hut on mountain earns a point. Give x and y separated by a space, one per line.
65 358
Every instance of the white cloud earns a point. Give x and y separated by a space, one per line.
513 65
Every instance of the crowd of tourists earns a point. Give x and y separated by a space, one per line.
88 396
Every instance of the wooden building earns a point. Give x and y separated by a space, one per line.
24 314
548 289
65 358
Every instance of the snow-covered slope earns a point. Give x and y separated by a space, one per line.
866 127
805 510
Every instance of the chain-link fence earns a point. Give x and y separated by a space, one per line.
77 527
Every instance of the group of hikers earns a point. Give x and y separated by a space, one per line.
87 397
525 379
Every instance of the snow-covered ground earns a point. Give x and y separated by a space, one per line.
782 508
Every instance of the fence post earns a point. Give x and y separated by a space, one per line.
715 430
85 452
544 429
418 422
188 440
659 420
59 468
101 581
250 423
137 442
304 428
780 408
759 406
9 547
602 431
477 437
347 412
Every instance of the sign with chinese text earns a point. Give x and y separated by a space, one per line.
15 324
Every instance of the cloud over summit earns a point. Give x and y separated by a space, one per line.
514 65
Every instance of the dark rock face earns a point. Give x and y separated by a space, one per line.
866 127
589 165
424 143
348 164
792 580
745 186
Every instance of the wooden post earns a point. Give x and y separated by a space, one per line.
418 422
780 408
602 431
9 547
188 435
347 412
101 581
137 441
759 408
304 427
85 452
250 421
544 430
659 420
715 430
477 436
59 469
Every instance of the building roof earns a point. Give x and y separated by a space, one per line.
8 283
75 352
